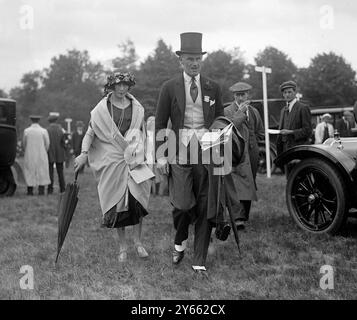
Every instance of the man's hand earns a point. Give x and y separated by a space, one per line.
162 166
285 132
244 106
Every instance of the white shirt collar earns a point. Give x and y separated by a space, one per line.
291 104
189 78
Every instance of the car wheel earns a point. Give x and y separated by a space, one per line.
315 196
262 167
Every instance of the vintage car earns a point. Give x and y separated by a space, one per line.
8 146
321 190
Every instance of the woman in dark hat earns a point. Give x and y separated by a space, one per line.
114 147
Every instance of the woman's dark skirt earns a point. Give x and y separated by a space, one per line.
114 219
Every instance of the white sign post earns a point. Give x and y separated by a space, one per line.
264 72
68 120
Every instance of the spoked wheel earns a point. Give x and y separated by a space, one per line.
316 196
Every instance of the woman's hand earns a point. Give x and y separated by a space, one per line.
80 161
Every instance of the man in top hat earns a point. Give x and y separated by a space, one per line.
191 102
56 152
324 129
295 120
249 123
36 143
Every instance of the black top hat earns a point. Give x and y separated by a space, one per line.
191 42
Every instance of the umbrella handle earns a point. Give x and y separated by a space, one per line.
76 176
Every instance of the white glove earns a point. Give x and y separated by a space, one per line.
162 166
80 161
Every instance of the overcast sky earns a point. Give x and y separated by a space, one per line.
301 29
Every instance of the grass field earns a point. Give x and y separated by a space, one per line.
278 260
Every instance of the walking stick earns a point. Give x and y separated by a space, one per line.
229 207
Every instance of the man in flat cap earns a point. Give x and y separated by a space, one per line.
191 102
36 143
249 123
56 152
324 129
295 120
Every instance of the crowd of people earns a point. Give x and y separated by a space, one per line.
44 150
124 152
188 107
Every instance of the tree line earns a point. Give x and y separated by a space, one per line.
73 84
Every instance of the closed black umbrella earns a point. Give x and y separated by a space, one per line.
226 202
66 206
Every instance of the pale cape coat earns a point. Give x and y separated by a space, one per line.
110 155
36 143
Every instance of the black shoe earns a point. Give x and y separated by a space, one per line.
177 256
222 231
240 225
30 191
50 191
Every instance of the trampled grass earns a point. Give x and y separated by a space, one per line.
279 261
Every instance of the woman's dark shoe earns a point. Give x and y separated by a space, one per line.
177 256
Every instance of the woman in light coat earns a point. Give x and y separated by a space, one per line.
114 145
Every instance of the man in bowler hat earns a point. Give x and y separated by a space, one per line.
192 102
295 121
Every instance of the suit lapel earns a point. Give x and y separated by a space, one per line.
206 92
282 115
293 114
180 95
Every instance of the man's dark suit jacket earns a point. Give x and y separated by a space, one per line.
172 105
56 152
300 123
341 127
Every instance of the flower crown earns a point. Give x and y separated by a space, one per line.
118 77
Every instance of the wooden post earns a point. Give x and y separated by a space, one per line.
264 72
68 120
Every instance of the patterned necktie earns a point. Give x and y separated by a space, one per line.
193 90
287 107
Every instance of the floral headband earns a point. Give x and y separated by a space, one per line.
118 77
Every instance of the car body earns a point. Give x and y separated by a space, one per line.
321 190
8 146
